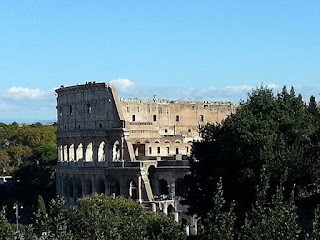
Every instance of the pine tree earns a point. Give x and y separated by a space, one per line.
6 230
219 224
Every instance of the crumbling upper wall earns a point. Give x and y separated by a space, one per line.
87 106
172 117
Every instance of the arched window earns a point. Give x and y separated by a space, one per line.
101 186
65 153
101 153
163 187
114 187
88 187
71 152
133 190
79 152
89 153
78 188
60 153
116 151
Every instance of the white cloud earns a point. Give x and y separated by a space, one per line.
20 93
122 85
127 88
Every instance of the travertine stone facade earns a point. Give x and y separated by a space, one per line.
138 148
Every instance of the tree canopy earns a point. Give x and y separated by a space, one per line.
101 217
278 134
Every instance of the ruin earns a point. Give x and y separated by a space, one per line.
138 148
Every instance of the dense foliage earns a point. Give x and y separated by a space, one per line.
29 154
277 135
97 217
101 217
19 146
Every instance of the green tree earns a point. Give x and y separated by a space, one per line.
219 223
274 219
277 132
5 167
51 224
41 218
6 230
101 217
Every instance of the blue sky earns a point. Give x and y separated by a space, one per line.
199 50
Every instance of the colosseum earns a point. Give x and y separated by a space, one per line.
138 148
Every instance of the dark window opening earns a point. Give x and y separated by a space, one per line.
189 130
177 118
154 118
168 150
166 130
201 118
79 126
89 108
100 125
158 149
133 118
177 150
150 150
70 110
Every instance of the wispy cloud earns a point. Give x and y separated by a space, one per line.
20 93
123 85
127 88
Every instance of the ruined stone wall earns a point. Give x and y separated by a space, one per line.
167 128
133 147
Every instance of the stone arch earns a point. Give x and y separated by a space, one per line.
65 153
60 153
167 141
157 141
171 209
88 186
78 185
180 187
153 179
101 187
163 187
65 187
133 193
79 152
147 141
177 141
71 152
71 188
101 152
114 187
116 151
89 153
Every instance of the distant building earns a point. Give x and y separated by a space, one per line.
137 148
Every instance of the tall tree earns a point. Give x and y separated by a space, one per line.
276 132
101 217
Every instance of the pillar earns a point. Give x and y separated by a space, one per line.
154 207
